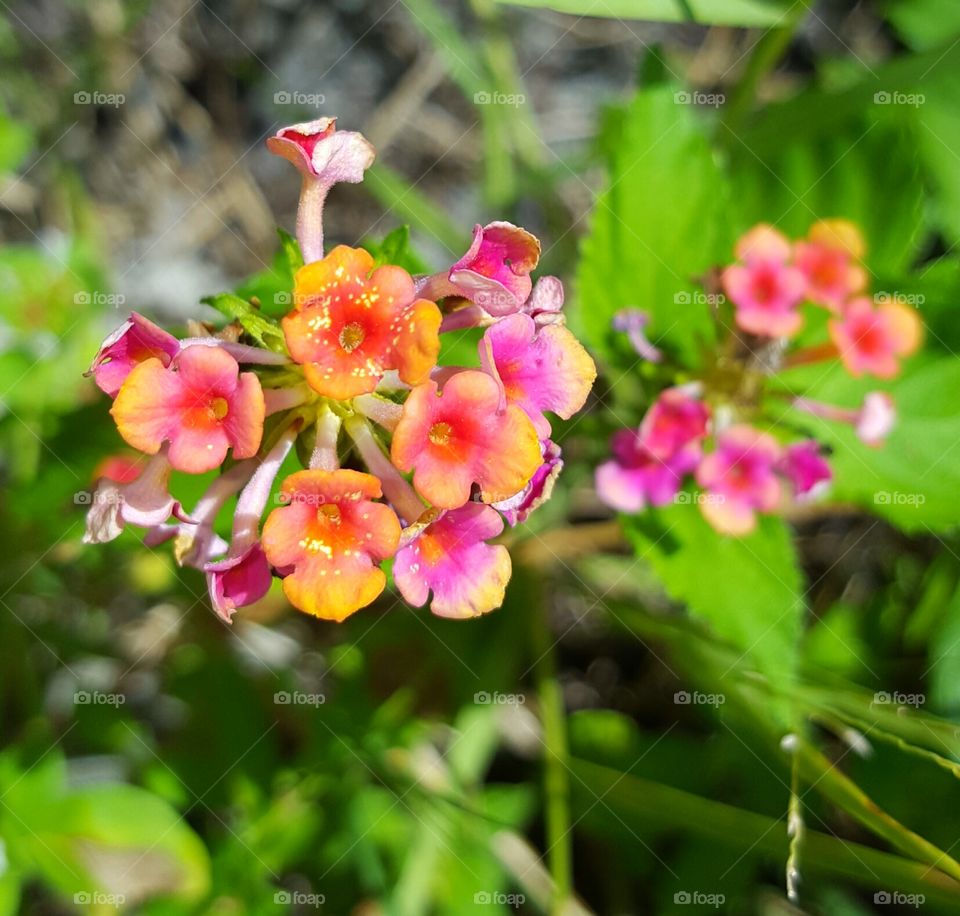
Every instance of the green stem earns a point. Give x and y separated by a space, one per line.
643 804
556 781
795 830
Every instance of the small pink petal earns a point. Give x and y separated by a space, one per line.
763 243
238 581
804 466
136 340
518 508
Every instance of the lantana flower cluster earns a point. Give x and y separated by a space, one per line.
408 459
706 430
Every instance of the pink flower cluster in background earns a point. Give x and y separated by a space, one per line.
705 432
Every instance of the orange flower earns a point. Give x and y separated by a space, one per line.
830 260
331 537
202 404
464 436
350 325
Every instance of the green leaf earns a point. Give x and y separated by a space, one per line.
291 250
658 226
711 12
795 184
108 822
914 478
748 589
938 140
107 838
944 668
396 249
265 331
924 23
9 890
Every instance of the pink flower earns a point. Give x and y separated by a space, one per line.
872 422
804 466
202 404
352 323
238 581
545 303
495 271
447 553
872 339
136 340
875 419
518 507
677 421
329 540
829 261
545 369
740 479
243 576
462 437
649 464
763 243
636 477
765 289
324 158
145 501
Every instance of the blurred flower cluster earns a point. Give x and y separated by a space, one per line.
706 427
404 458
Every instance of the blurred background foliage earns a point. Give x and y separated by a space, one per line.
632 731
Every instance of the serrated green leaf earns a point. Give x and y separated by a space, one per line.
806 180
658 226
748 589
265 331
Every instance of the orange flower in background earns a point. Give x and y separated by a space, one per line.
352 323
329 540
829 260
872 339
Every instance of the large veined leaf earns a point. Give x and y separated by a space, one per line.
841 176
708 12
658 226
748 589
914 479
867 136
938 136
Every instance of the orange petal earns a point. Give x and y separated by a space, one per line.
418 343
341 274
